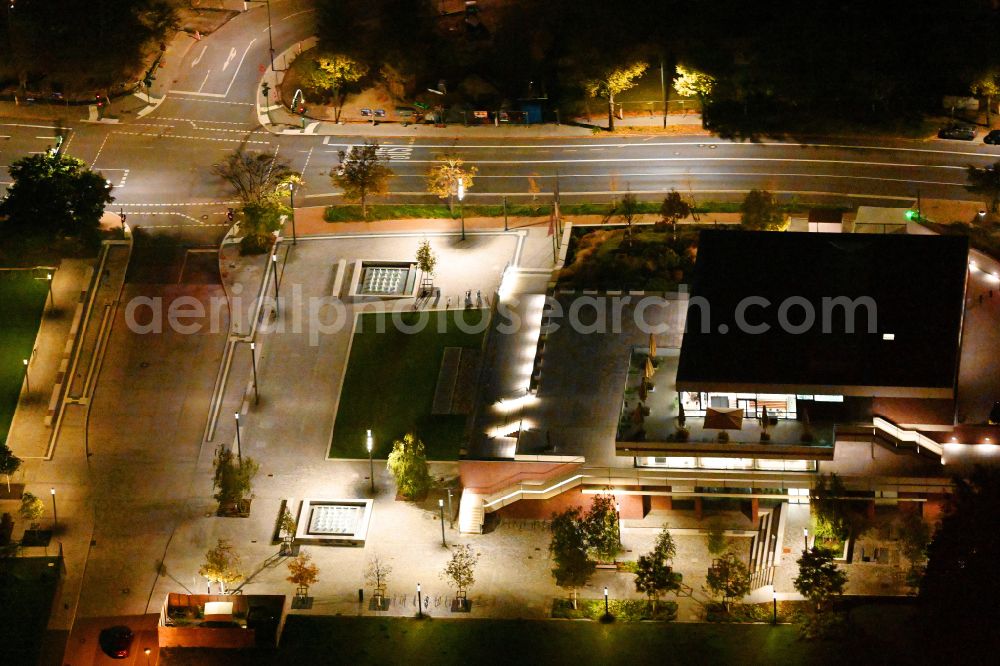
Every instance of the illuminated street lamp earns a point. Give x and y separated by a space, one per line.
55 514
52 300
441 511
274 265
607 611
27 380
461 206
239 444
805 536
370 445
253 362
420 603
146 652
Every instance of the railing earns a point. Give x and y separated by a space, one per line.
519 491
908 436
520 477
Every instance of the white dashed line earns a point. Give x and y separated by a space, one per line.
193 138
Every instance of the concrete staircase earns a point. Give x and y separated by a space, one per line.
475 503
471 513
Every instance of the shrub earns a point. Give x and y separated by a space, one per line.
623 610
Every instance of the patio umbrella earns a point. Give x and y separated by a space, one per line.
649 368
652 345
723 419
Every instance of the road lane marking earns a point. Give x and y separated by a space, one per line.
209 101
804 160
106 137
200 56
199 93
229 59
668 144
634 191
48 127
207 74
304 11
249 125
194 138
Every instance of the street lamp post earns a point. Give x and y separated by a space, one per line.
239 443
270 42
441 511
52 299
55 514
420 603
370 445
146 652
805 536
774 615
27 380
461 206
274 265
607 611
253 363
291 199
451 513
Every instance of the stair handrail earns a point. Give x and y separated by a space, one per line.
904 435
519 477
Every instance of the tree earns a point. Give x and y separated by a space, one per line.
333 72
257 224
673 209
959 591
692 83
626 210
988 86
760 212
362 173
716 539
461 570
443 178
831 520
601 523
426 262
654 573
568 548
819 578
54 195
408 464
612 82
302 573
288 527
233 479
664 545
32 509
222 566
915 537
377 574
254 176
728 578
986 183
9 463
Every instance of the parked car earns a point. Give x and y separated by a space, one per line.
116 642
960 132
992 137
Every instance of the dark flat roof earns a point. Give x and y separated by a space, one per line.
916 284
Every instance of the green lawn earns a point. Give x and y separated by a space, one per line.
880 633
27 585
390 382
23 299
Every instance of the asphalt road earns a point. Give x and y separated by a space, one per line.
160 164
